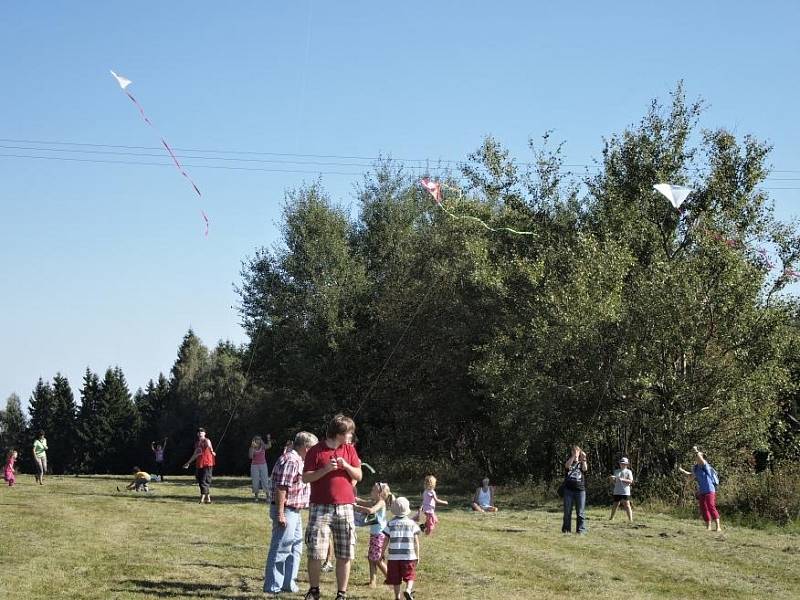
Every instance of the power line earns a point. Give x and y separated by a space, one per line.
421 164
421 161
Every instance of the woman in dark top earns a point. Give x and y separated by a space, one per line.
575 490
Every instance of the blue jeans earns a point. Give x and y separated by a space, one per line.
285 548
575 498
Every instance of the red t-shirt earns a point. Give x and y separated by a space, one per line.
336 487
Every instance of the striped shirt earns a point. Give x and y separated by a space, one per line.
401 532
288 473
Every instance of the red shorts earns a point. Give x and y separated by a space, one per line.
398 571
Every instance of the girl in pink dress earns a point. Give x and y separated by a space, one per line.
8 472
429 502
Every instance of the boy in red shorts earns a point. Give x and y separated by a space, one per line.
403 555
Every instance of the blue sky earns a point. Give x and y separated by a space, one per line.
105 264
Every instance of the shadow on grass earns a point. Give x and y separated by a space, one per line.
181 589
154 496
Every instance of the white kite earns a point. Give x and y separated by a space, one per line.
676 194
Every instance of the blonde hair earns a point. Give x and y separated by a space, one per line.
430 482
385 493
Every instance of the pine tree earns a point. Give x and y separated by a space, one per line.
122 417
42 408
94 431
13 427
62 437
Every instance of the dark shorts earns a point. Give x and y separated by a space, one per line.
619 498
398 571
204 476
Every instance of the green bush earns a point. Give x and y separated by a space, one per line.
771 495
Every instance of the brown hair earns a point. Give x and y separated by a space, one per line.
339 425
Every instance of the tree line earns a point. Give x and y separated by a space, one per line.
619 323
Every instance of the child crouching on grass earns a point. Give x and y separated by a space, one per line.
380 497
140 480
402 547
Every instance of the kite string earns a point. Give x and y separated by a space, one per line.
394 349
253 345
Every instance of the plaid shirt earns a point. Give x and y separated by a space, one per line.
288 472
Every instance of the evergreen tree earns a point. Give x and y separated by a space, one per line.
182 414
62 439
13 427
94 429
41 409
122 417
151 405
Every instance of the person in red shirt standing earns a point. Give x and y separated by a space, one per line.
332 467
204 453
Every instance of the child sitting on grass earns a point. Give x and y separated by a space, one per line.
402 547
380 496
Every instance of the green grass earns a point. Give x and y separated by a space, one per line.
80 538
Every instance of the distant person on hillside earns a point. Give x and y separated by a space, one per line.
289 496
205 455
428 508
140 482
483 500
259 472
576 467
158 455
707 482
9 473
331 467
623 480
40 456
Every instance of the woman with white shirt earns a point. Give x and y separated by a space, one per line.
483 500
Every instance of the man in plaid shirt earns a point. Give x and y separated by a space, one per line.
289 495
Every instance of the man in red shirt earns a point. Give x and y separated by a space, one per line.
332 467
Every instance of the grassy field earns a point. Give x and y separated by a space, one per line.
80 538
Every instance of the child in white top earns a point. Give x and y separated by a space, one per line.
623 480
429 502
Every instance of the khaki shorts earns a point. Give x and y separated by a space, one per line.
325 520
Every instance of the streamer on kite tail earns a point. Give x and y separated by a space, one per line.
123 84
435 189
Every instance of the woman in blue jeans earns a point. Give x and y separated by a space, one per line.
575 490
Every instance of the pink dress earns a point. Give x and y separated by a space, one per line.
8 474
429 508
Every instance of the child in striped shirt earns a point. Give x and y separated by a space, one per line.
402 547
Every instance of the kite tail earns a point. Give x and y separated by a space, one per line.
483 223
168 149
